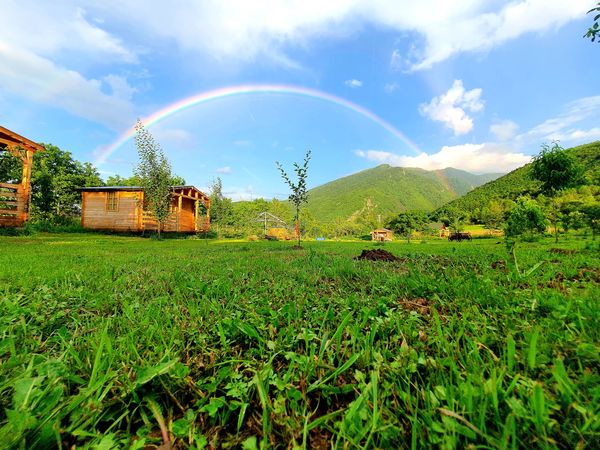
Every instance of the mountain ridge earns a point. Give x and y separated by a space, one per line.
391 190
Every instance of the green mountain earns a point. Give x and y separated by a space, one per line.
391 190
519 181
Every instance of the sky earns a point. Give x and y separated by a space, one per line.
229 87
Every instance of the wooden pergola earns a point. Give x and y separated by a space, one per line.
14 197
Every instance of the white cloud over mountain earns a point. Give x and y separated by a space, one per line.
451 108
476 158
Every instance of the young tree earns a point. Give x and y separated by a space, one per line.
154 172
221 209
525 219
556 170
299 194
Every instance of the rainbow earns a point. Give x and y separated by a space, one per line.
251 89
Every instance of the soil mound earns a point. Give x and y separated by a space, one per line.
377 255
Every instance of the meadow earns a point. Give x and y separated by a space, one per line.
124 342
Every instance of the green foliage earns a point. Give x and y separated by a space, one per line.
55 179
392 189
525 219
591 213
250 345
134 180
154 173
594 31
556 169
407 223
520 182
299 192
493 215
10 167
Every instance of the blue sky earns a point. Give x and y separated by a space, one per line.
476 85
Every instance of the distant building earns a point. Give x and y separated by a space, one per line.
382 235
120 208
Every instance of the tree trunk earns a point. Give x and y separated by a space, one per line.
298 225
555 218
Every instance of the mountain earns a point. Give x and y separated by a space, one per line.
391 189
519 181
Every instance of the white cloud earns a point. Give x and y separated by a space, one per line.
37 60
67 89
504 130
449 108
242 143
353 83
476 158
237 193
391 87
568 125
240 30
173 136
224 170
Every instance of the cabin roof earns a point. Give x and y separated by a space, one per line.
177 190
381 230
9 138
130 188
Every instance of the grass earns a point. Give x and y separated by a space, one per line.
121 342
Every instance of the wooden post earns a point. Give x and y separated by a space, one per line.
179 209
25 189
207 204
196 208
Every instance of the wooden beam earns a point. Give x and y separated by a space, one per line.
11 138
9 211
9 194
10 186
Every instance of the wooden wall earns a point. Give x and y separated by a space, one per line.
186 215
127 217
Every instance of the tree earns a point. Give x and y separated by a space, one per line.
591 213
154 173
408 222
55 179
299 193
118 180
10 167
594 31
492 216
221 208
556 170
525 219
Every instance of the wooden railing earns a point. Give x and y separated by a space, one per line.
11 205
150 223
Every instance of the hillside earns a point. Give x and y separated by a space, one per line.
519 181
391 189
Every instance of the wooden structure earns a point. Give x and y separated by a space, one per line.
15 197
120 208
382 235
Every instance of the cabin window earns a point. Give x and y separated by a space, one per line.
112 201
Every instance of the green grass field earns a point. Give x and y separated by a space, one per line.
117 342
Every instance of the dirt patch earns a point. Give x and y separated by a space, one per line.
377 255
420 305
562 251
499 265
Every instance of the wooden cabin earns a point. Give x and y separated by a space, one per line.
119 208
15 197
382 235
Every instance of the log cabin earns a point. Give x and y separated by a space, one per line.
15 197
382 235
120 208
